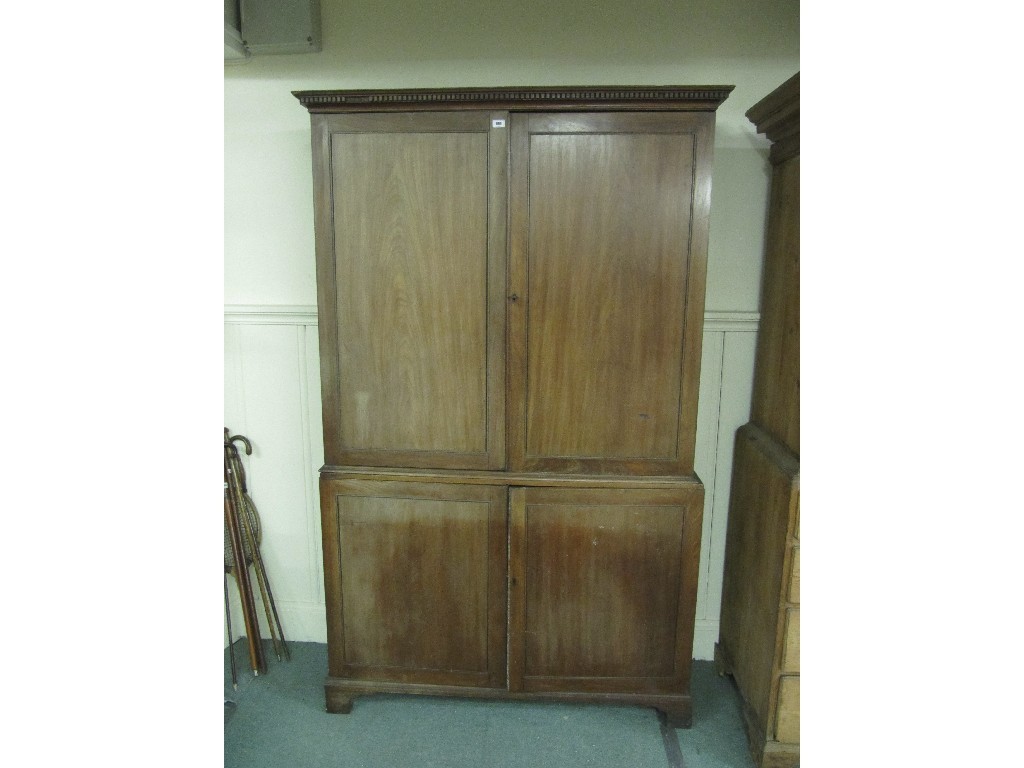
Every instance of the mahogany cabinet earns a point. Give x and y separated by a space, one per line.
511 295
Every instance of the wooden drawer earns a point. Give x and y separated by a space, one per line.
787 722
791 647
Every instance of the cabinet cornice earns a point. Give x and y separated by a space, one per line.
777 116
562 98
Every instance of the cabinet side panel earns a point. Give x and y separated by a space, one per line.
332 576
410 230
759 510
777 376
323 217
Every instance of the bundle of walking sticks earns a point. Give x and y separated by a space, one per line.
241 552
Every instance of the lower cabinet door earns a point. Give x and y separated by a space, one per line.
603 588
416 581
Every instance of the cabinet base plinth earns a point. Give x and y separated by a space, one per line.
775 754
677 708
765 752
679 715
338 702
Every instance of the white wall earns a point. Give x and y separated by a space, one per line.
271 361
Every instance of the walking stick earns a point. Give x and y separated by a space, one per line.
252 629
251 528
231 645
242 526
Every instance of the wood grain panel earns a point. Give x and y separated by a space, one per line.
606 588
761 506
411 213
412 313
605 271
418 592
605 318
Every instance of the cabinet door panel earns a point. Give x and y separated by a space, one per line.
608 256
416 581
412 248
603 588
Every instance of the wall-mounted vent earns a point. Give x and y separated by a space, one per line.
257 27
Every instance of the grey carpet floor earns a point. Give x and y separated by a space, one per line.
278 720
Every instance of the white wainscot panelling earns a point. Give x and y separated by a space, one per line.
726 382
272 396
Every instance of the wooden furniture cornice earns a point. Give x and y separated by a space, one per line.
565 98
777 116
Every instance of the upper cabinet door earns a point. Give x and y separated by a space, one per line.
608 243
411 218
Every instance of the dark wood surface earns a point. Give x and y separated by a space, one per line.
608 261
411 274
416 581
340 693
417 590
591 568
776 399
762 510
